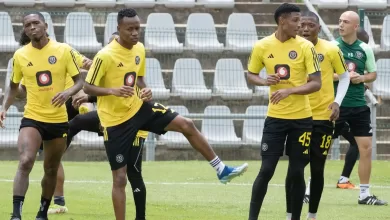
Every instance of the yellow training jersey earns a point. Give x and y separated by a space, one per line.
331 61
113 67
292 61
44 72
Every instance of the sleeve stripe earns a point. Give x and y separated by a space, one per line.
96 71
13 68
315 59
342 61
74 60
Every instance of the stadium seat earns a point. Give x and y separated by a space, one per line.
385 35
110 27
9 135
80 32
217 3
369 4
175 139
160 34
139 3
381 85
253 128
262 91
219 131
20 3
229 80
367 28
201 35
50 27
241 33
7 43
100 3
9 72
331 4
62 3
89 139
178 3
188 81
154 79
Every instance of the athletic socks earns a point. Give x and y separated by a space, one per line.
288 215
217 164
45 203
59 200
139 195
364 191
343 179
18 204
311 215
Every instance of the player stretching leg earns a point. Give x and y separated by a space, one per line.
44 65
324 106
359 57
113 79
289 60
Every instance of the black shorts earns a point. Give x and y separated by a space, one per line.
321 139
48 131
118 139
135 158
72 112
295 133
358 118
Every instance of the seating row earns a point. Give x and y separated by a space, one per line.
343 4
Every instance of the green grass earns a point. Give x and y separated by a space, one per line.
190 191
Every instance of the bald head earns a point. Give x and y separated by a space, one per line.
348 23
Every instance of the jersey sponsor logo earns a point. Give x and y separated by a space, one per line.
52 60
129 79
283 71
264 147
320 57
44 78
351 66
359 55
119 158
292 54
137 60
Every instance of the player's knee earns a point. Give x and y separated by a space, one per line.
51 171
119 180
133 174
266 172
186 126
26 163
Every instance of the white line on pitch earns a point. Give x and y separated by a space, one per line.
181 183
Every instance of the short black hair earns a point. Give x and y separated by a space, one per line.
312 15
363 35
126 12
115 33
40 15
283 9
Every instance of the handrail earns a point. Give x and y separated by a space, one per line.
324 27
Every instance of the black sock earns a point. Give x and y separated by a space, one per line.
18 204
45 203
317 166
288 186
351 156
59 200
139 194
260 185
296 171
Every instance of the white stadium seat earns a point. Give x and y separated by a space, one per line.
229 80
50 27
262 91
381 85
252 130
188 80
89 139
80 32
217 3
110 27
367 28
154 79
241 33
369 4
99 3
7 42
20 3
331 4
175 139
9 135
219 132
385 34
201 35
160 34
57 3
178 3
139 3
9 72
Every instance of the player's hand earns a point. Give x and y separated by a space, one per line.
146 94
273 79
2 118
279 95
357 79
76 102
59 99
124 91
335 108
86 63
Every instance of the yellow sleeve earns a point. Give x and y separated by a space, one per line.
98 69
79 58
22 82
16 75
142 68
71 67
338 62
311 60
255 63
142 134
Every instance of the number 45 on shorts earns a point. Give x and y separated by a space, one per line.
304 139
